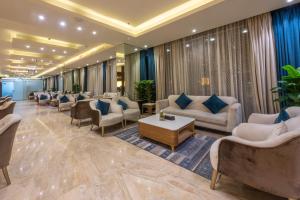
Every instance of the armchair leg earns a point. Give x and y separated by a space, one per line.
6 176
214 178
102 131
71 120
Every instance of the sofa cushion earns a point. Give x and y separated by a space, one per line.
293 123
103 107
218 119
183 101
64 99
215 104
283 116
123 104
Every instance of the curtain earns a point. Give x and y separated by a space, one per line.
73 79
68 81
264 61
104 75
81 79
111 76
286 25
76 76
99 80
132 73
84 79
91 79
214 62
147 64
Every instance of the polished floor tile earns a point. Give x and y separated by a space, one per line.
54 160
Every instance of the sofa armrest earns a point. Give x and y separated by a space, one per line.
234 116
133 105
258 132
161 104
258 118
96 117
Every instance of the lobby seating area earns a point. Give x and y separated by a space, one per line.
151 99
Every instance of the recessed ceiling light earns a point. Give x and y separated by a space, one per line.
97 61
53 50
42 60
42 48
289 1
22 58
168 50
136 49
187 45
111 57
245 31
194 30
212 39
146 46
27 46
41 17
62 23
94 33
79 28
87 64
65 52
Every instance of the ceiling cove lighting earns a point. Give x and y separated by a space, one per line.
43 40
178 12
75 58
31 54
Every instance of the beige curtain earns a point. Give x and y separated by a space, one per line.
68 81
99 80
160 72
81 78
264 61
132 73
92 79
214 62
111 76
76 76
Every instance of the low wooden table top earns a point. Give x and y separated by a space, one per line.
172 125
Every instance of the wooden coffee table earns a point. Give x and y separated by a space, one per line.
168 132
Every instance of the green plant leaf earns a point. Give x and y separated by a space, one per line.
292 71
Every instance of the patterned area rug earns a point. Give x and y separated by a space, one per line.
193 154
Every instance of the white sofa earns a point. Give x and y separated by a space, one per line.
228 118
65 106
114 116
132 113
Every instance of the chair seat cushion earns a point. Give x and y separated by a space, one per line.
103 107
123 104
183 101
80 97
111 119
131 113
215 104
64 99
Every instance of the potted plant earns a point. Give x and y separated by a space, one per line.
288 90
145 90
76 88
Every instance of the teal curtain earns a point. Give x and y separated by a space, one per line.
286 25
85 79
147 64
104 76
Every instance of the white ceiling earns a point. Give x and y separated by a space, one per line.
22 16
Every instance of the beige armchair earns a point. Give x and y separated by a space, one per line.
81 111
43 102
264 156
8 128
65 106
114 116
132 113
7 108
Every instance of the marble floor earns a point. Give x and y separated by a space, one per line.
55 160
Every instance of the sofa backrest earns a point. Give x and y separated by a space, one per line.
198 100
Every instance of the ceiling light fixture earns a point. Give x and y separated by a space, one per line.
97 61
22 58
53 50
212 39
245 31
42 48
62 23
79 28
65 52
194 30
136 49
168 50
41 17
187 45
94 33
289 1
27 46
146 46
110 57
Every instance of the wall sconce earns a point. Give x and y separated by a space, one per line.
119 84
205 81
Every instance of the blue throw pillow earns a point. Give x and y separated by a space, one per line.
43 97
214 104
103 107
283 116
183 101
123 104
80 97
64 99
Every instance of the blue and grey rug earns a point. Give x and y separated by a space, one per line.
193 154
